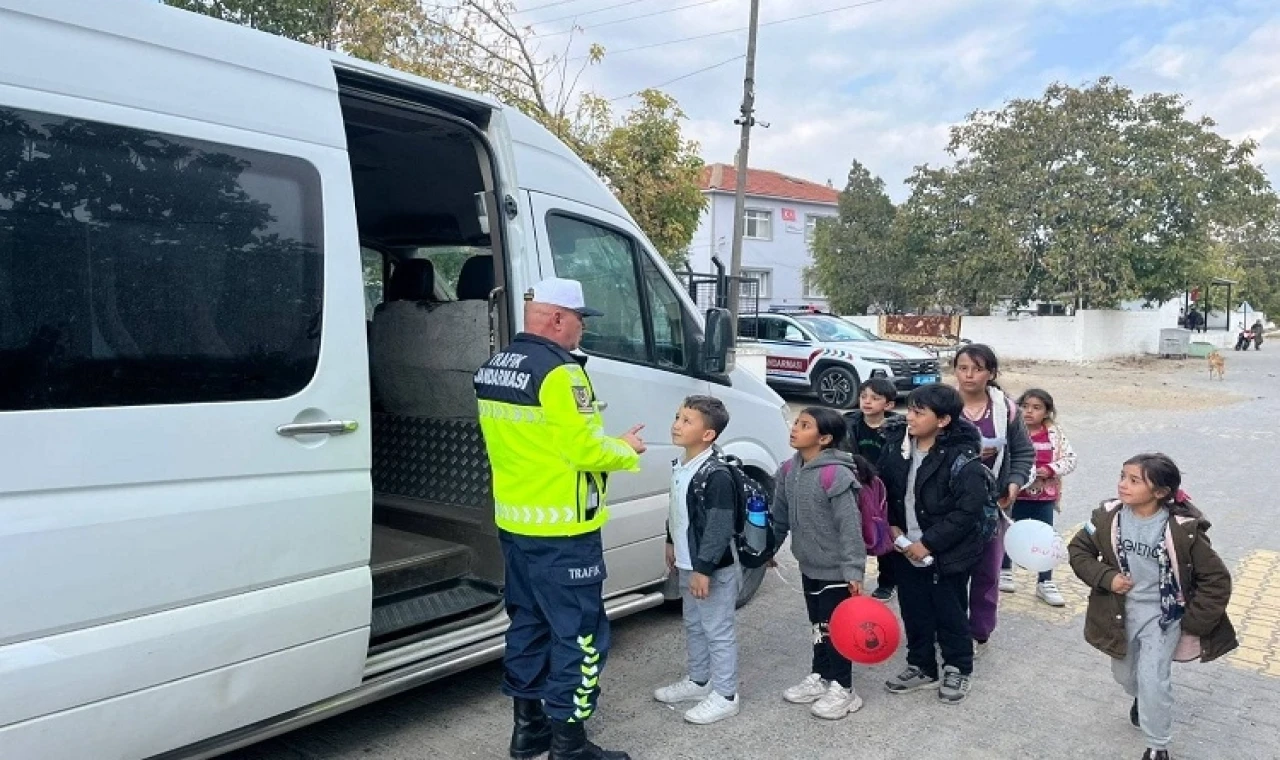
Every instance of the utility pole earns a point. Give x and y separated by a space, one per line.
746 120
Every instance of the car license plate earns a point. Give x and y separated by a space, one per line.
925 379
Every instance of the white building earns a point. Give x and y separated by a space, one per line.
781 213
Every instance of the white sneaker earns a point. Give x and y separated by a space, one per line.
1048 593
836 703
682 691
809 690
714 708
980 649
1006 582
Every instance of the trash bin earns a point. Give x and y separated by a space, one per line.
1174 341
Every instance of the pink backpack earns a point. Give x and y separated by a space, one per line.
873 505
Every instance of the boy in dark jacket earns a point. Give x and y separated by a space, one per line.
865 424
936 517
700 529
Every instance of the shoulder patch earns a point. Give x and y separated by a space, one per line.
1089 527
582 397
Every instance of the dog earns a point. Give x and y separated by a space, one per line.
1217 365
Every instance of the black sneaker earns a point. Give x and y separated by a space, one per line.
1156 754
1133 714
955 685
883 593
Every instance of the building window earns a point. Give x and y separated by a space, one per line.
762 287
811 289
759 224
811 226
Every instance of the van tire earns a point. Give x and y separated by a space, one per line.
837 387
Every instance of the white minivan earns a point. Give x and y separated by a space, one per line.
244 284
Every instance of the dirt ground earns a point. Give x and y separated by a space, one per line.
1141 383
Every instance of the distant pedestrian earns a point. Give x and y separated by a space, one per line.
700 529
817 503
876 398
1257 329
1194 320
1007 452
1147 557
1042 497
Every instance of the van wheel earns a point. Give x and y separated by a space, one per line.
838 387
749 583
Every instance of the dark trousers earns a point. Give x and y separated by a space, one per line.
559 634
885 574
935 612
821 599
1032 510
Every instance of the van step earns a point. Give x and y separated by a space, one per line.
402 561
411 611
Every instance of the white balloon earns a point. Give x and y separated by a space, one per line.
1033 545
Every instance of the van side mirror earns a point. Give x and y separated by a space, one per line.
713 355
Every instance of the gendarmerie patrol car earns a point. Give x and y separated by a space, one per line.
829 357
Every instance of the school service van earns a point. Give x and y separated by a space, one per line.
244 286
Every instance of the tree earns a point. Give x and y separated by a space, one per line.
651 168
476 45
1090 194
855 259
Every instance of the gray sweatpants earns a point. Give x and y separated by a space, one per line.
709 631
1145 671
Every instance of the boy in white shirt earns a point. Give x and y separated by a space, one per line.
700 530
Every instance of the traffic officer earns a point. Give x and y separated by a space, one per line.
550 459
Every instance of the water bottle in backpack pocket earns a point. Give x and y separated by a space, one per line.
753 536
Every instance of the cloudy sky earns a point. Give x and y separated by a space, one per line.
883 82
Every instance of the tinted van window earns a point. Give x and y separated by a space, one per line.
139 268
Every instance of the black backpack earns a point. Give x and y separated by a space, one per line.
991 509
748 492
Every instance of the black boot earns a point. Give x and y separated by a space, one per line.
1133 714
569 742
531 736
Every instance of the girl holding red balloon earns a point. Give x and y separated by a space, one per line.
935 510
817 503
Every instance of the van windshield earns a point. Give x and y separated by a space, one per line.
835 330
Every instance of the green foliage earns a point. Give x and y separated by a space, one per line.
652 169
856 261
1091 195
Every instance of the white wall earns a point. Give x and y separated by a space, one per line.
1089 335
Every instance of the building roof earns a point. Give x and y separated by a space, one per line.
762 183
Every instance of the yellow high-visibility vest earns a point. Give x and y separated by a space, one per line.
546 443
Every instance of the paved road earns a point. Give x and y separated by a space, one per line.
1040 693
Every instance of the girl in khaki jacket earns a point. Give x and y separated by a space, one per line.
1159 592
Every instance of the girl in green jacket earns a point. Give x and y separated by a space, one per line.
1159 592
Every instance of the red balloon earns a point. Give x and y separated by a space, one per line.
864 630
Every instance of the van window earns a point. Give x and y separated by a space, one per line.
140 268
604 262
666 318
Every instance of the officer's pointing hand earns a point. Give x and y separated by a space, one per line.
633 439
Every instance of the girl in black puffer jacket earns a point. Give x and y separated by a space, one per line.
936 514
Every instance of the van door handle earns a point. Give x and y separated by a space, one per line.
602 405
330 427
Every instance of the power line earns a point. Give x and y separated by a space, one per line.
589 13
628 18
736 29
544 5
682 76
